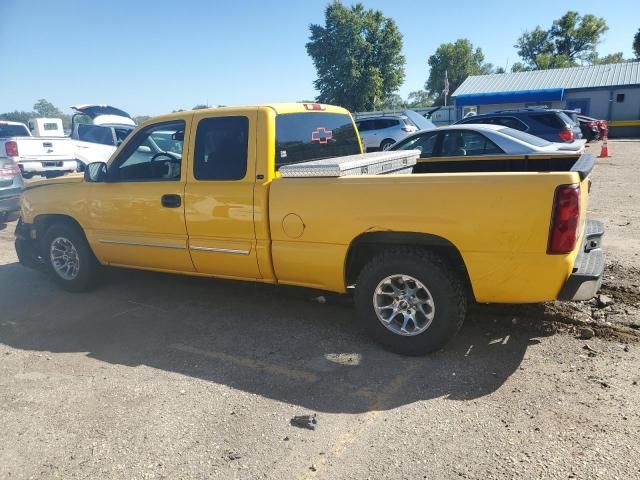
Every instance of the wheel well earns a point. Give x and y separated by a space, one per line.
364 247
388 140
43 222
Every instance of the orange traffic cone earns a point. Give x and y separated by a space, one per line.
604 151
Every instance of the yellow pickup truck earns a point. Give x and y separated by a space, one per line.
205 193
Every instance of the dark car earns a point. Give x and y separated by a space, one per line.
11 186
550 124
592 128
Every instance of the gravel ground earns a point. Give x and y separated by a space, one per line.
159 376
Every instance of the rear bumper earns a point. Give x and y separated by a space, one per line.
9 203
43 166
588 269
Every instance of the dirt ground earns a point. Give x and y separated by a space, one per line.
159 376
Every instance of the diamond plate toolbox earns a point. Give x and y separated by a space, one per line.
375 163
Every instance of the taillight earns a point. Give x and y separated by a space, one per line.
9 169
11 148
409 128
566 135
563 233
314 106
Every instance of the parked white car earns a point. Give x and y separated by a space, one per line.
47 156
480 139
96 141
380 132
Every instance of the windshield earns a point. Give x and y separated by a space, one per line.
301 137
525 137
7 130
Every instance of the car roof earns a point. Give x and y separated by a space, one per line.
378 117
473 126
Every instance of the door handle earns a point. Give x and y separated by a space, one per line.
171 200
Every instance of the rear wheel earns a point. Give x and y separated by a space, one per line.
386 144
27 175
69 258
410 300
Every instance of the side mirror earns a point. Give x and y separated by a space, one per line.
144 149
95 172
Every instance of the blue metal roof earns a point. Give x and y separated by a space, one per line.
547 95
612 75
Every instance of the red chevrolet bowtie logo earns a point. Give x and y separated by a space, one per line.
321 135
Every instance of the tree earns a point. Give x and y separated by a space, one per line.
419 99
570 38
45 108
575 36
617 57
200 106
636 44
18 116
392 101
459 60
357 56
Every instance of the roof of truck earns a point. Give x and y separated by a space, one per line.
279 108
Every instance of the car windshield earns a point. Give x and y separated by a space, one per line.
8 130
301 137
525 137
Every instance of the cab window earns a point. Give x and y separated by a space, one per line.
153 154
221 148
301 137
95 134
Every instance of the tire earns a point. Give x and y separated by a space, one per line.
386 144
70 239
27 175
441 283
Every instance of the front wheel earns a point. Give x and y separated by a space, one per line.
386 144
69 258
410 300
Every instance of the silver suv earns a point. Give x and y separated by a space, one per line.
380 132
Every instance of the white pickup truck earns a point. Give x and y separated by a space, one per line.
47 156
54 155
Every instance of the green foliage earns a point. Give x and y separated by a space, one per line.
617 57
18 116
459 60
200 106
636 44
419 99
392 101
44 108
570 38
357 56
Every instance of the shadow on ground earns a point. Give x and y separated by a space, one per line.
271 341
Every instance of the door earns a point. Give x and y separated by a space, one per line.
136 217
94 143
579 105
219 203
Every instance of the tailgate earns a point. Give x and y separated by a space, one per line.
37 148
583 167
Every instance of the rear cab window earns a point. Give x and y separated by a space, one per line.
8 130
302 137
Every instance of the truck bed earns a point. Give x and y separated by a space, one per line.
556 162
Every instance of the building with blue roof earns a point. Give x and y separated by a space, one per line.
610 92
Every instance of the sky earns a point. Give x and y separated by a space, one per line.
151 57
